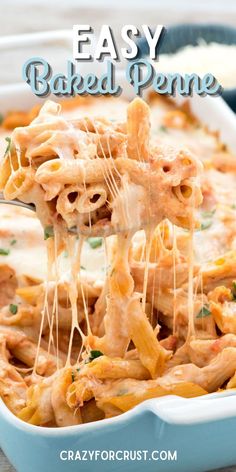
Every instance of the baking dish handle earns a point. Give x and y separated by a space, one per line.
63 37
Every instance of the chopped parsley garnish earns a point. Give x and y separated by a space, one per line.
122 391
94 242
106 268
4 252
208 214
13 242
207 219
82 268
163 129
205 225
1 118
94 355
233 206
73 376
233 291
13 308
204 312
8 140
48 232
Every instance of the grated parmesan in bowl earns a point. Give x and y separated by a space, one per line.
215 58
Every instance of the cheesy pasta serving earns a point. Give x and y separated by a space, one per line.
138 299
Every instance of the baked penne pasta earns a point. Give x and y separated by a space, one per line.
131 294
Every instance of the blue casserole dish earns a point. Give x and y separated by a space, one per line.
201 431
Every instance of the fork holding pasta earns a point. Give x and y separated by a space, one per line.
96 177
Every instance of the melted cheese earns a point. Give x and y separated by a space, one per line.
21 234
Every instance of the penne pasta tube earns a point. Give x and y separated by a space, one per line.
184 191
211 377
138 130
68 198
160 276
10 163
78 171
13 388
25 316
152 355
114 368
64 416
131 394
202 351
232 382
26 351
38 409
224 316
221 272
79 391
8 284
92 198
19 183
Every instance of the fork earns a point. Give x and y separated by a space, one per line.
16 202
31 207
